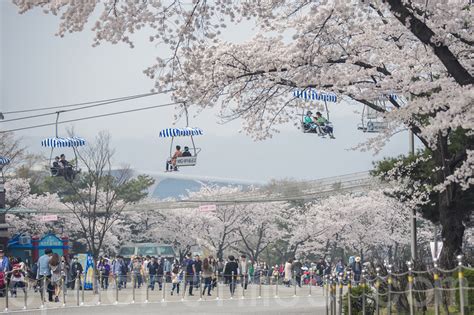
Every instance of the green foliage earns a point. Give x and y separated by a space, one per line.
418 168
55 184
132 190
356 300
135 189
423 168
468 282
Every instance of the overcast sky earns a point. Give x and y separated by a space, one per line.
39 69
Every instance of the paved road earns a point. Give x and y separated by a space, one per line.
292 305
285 303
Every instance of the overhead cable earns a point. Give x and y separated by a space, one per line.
90 117
88 105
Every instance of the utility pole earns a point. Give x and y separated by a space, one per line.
413 213
3 223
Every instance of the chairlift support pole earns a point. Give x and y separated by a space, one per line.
362 118
413 214
327 109
3 224
411 144
57 120
186 113
187 126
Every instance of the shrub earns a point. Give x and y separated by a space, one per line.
469 294
356 300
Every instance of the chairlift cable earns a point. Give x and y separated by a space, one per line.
91 105
80 104
91 117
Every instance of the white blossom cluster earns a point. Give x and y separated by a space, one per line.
420 50
360 223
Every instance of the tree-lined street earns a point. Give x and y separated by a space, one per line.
244 153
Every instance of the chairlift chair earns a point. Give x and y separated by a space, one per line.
313 95
3 161
372 124
371 120
322 130
183 132
63 142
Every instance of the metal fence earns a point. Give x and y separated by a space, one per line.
42 293
415 292
384 291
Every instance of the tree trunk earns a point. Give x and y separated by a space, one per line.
451 220
450 217
220 253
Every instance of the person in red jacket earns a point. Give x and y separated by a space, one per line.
171 163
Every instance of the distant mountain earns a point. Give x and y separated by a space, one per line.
177 186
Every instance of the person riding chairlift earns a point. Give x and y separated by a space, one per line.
171 163
66 167
322 124
186 152
308 122
57 169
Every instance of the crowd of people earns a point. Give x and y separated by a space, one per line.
194 272
60 272
50 269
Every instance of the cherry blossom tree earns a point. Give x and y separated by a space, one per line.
70 221
360 50
219 229
259 227
181 228
19 196
375 221
94 201
12 148
367 223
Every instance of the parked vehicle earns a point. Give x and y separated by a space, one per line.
144 249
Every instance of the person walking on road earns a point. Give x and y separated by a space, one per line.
357 269
190 269
207 273
231 268
152 272
244 266
297 271
75 268
44 273
56 272
287 279
175 278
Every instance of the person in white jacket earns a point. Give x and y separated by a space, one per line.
287 279
244 271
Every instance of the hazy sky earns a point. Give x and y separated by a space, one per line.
39 69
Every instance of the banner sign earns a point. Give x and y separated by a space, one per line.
49 218
207 208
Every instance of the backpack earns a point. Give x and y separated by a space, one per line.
123 269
